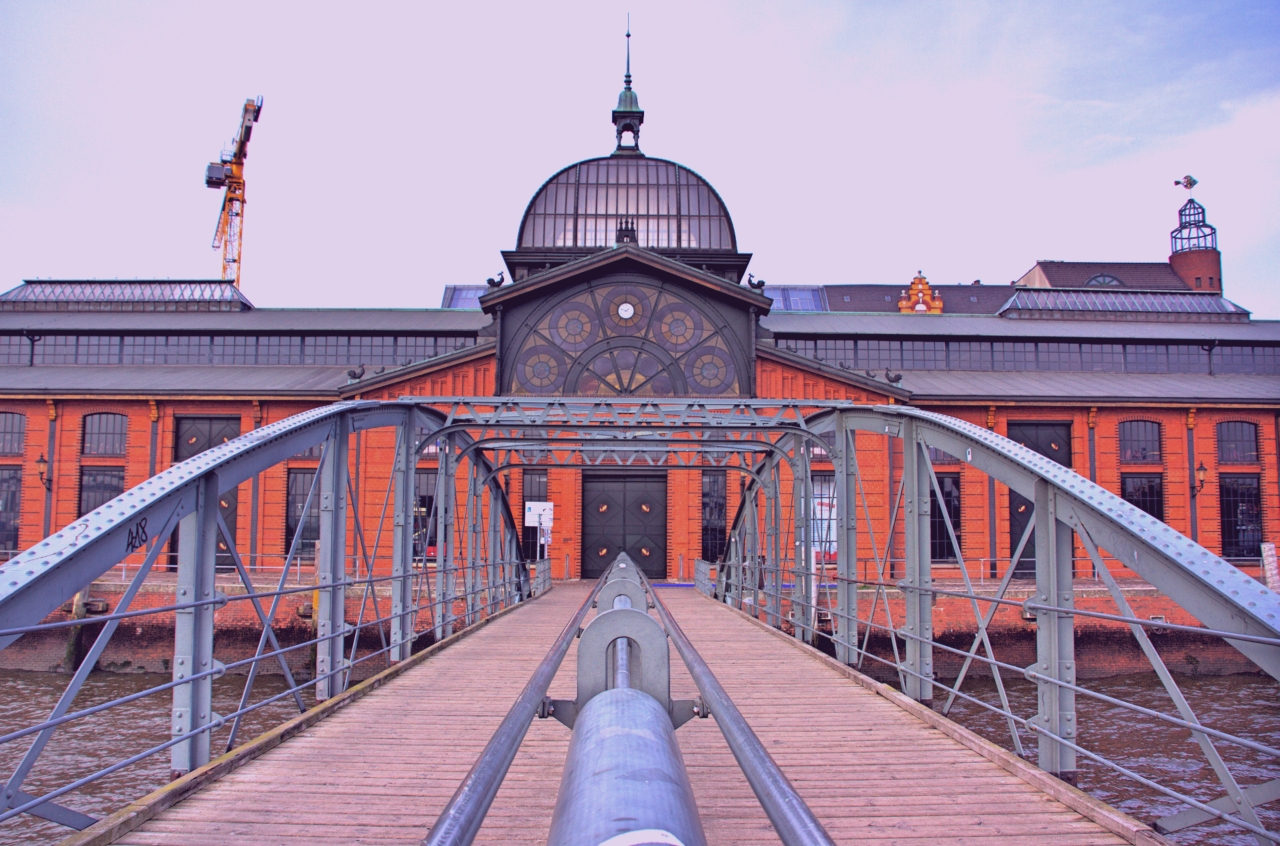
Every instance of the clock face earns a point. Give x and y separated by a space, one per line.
628 339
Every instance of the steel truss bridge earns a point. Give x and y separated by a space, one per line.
379 600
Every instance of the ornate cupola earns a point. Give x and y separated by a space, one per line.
1194 245
628 116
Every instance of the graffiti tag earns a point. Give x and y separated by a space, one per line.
137 536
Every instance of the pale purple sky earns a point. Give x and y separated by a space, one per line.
852 142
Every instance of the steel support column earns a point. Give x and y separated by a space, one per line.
493 581
919 578
1055 636
193 630
406 461
846 504
803 594
331 622
773 543
445 491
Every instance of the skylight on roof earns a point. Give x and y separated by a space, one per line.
797 298
117 295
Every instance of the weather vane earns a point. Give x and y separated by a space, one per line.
1187 182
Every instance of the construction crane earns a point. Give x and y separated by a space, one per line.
228 172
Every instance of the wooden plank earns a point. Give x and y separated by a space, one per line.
379 773
786 692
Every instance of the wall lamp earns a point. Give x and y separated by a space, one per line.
1201 473
43 466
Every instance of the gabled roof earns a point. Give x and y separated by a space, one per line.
1134 275
626 255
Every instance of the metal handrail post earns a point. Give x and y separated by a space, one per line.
1055 635
193 631
791 817
916 528
846 494
402 541
461 819
331 565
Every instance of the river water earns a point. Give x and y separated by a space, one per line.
1245 705
78 749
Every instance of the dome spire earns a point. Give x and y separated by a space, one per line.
628 116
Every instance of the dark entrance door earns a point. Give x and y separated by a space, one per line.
192 436
624 513
1052 440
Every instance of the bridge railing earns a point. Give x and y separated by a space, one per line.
369 597
812 587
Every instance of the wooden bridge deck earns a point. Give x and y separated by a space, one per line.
380 770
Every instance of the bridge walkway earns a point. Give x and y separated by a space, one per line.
379 771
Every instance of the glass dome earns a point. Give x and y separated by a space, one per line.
584 205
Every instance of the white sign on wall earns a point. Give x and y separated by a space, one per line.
540 514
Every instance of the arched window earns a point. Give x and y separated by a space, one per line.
1237 442
1140 441
1103 280
104 434
628 339
13 431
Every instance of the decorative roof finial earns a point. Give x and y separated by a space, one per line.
628 116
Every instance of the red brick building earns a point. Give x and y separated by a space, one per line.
627 281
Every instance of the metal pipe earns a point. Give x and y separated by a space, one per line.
624 777
622 650
460 820
794 822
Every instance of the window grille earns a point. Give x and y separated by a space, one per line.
98 486
940 546
1014 355
104 434
1237 442
1102 358
1241 504
14 349
1144 490
299 485
10 510
13 431
534 490
1140 441
424 522
714 519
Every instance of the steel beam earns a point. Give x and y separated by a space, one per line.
846 494
1055 636
402 616
331 556
919 577
193 631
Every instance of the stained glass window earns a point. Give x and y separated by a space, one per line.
626 340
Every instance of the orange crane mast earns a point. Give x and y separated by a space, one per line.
228 172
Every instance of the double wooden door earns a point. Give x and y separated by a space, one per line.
624 513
